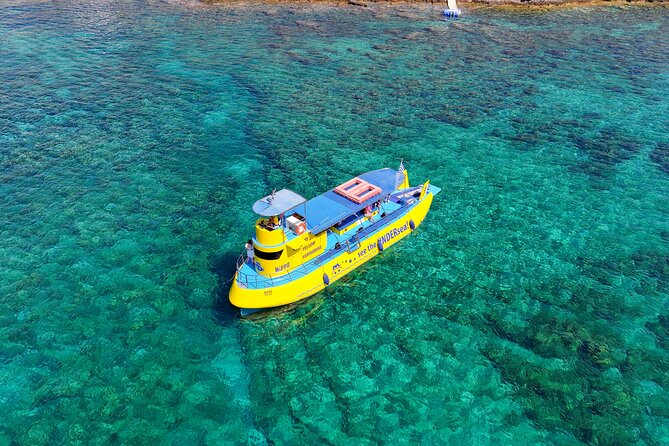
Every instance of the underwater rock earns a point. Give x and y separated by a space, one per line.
609 147
256 438
307 24
455 117
660 156
653 264
414 35
200 299
660 328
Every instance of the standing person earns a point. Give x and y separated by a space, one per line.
249 252
273 222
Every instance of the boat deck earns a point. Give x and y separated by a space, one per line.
329 208
399 203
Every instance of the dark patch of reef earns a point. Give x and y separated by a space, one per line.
660 156
610 146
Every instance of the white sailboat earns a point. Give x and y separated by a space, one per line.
452 10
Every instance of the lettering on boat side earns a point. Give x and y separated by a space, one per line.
305 247
367 250
362 252
394 233
283 267
268 292
313 251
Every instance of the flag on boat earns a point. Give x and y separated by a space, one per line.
401 180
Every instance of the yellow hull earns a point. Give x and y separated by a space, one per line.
332 269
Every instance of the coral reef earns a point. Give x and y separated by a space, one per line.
529 309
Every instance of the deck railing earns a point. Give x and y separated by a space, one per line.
355 239
258 281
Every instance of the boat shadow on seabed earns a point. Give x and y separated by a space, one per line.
223 267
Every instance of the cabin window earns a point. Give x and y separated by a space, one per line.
270 224
267 255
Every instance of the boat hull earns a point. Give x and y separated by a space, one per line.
334 268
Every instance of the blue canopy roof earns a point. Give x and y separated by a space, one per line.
330 208
277 203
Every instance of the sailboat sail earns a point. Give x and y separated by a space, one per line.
452 5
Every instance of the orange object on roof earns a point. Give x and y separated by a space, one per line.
357 190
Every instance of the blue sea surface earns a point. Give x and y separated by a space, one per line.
531 307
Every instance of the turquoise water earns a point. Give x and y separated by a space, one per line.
530 308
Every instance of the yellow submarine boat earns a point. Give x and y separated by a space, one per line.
300 247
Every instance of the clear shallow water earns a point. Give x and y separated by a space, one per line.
530 308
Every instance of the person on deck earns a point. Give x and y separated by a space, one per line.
250 253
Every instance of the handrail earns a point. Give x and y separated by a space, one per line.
241 261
